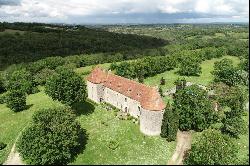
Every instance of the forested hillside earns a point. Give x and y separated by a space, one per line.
25 42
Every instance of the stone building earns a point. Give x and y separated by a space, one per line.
136 99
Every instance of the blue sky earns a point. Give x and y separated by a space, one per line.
124 11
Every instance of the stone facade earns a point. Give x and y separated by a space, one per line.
137 102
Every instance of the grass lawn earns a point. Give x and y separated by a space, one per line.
101 127
205 78
134 148
12 123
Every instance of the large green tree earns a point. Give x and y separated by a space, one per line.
16 100
189 66
66 86
54 137
212 148
194 108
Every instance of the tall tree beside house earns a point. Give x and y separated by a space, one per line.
66 86
170 124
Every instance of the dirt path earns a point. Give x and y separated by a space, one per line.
184 140
14 157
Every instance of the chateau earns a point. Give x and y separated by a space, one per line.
136 99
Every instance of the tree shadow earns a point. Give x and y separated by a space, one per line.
83 108
28 106
83 139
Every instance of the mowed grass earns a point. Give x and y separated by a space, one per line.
11 123
171 76
101 127
134 148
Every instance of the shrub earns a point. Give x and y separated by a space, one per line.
21 80
163 81
2 145
2 88
189 66
194 108
225 72
161 92
66 86
113 144
42 76
212 148
54 137
3 98
16 100
170 124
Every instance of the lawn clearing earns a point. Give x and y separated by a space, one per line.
134 148
172 76
12 123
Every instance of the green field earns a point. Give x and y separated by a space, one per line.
102 126
204 78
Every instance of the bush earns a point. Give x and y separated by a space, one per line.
225 72
212 148
3 98
2 145
16 100
42 76
21 80
163 81
170 124
66 86
54 137
113 144
194 108
2 88
189 66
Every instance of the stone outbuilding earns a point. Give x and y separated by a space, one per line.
138 100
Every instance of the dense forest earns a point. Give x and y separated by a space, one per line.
26 42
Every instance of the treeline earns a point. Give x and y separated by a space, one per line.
188 62
38 41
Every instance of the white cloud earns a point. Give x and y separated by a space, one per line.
62 10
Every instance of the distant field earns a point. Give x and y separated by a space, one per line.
11 31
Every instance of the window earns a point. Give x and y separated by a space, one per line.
139 109
125 99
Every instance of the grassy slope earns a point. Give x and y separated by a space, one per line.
154 151
171 76
12 123
131 149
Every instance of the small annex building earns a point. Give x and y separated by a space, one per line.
136 99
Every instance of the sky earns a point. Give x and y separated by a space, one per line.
124 11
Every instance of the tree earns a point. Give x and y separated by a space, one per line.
225 72
21 80
189 66
66 87
54 137
234 98
16 100
43 75
170 124
194 108
212 148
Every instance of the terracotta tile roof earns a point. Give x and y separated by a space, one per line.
148 97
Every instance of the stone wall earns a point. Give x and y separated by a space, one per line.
150 122
122 102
